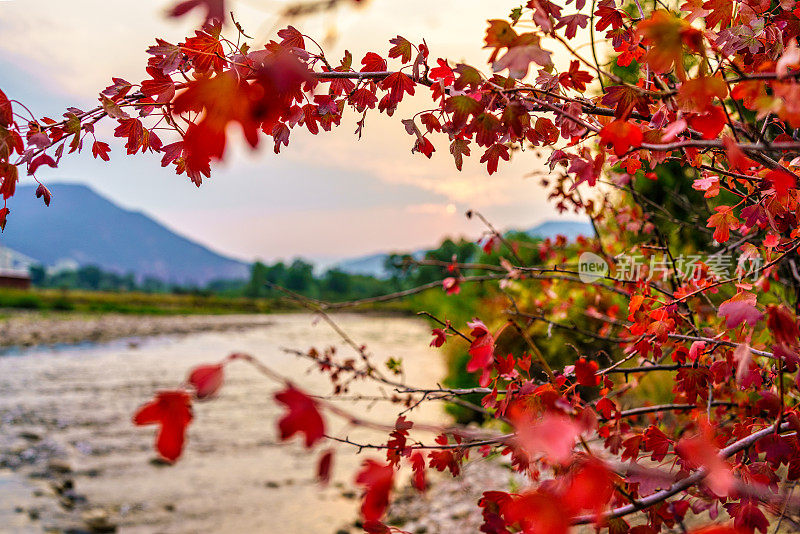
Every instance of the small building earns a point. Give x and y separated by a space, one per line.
15 269
15 279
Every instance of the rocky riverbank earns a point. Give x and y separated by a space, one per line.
37 485
450 506
28 329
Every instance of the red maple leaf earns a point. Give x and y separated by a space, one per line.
699 93
362 99
553 435
747 516
10 175
159 86
43 193
101 150
4 217
214 9
442 72
459 148
519 57
607 15
783 325
38 161
6 113
590 487
397 83
373 63
206 380
303 416
709 123
445 459
574 77
418 467
537 512
451 285
781 181
493 154
324 467
439 337
665 33
424 146
292 37
481 349
461 107
172 410
205 50
720 12
133 130
700 451
572 23
402 48
223 99
623 135
626 99
586 372
723 222
740 308
377 479
657 442
606 408
736 156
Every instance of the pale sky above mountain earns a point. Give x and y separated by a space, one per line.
330 195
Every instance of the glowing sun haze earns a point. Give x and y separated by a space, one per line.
329 195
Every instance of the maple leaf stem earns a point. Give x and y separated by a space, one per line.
446 325
498 440
497 234
594 45
538 353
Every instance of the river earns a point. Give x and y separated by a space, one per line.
68 409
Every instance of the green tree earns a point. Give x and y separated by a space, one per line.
276 273
257 285
300 276
337 282
38 274
89 277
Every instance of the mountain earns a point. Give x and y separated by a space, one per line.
84 228
374 264
569 229
371 265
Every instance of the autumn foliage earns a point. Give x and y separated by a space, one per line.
675 130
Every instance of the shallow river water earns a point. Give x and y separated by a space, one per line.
75 404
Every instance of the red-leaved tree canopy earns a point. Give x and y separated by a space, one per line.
674 131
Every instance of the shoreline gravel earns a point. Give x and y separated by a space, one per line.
450 505
30 329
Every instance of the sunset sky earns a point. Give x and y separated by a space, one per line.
323 197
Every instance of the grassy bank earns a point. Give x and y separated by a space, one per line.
132 302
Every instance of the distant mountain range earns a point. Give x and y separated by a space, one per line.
83 228
374 264
569 229
371 265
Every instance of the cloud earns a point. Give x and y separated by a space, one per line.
432 209
325 194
